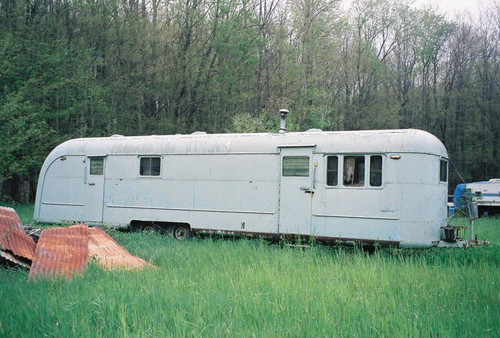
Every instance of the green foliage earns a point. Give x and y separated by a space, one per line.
78 68
245 123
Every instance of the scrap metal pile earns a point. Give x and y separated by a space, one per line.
62 251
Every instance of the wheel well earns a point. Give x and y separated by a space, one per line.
159 225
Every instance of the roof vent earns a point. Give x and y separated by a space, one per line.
117 135
199 133
283 114
314 130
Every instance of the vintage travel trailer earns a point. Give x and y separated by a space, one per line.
385 186
486 194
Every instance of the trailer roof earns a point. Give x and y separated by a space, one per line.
371 141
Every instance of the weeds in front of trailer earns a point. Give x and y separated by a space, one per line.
219 287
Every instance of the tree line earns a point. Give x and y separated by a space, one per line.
80 68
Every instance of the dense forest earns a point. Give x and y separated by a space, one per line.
80 68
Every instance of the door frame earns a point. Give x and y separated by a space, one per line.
90 182
297 195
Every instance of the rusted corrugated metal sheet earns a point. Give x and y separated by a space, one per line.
61 252
10 257
11 216
109 253
13 238
17 241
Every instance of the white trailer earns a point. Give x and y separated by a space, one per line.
486 194
385 186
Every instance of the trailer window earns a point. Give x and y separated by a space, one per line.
443 171
354 171
375 171
332 171
296 166
96 165
150 166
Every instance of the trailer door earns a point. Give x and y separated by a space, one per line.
94 180
296 190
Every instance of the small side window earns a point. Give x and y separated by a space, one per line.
332 171
354 171
443 171
150 166
96 165
296 166
375 171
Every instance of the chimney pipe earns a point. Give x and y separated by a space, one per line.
283 113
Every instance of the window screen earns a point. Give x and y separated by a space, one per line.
296 166
96 165
354 171
376 171
443 171
150 166
332 170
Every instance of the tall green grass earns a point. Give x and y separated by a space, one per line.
216 287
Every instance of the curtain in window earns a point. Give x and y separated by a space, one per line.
349 169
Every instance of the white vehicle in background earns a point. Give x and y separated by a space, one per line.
486 194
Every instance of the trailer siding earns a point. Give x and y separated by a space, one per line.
234 182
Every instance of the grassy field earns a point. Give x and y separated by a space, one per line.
216 287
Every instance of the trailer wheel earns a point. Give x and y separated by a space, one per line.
182 232
149 228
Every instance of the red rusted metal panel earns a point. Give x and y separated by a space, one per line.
11 215
10 257
109 254
13 238
17 242
61 252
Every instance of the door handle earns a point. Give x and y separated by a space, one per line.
91 183
307 190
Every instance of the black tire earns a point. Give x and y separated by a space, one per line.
182 232
149 228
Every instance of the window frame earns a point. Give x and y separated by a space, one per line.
141 157
363 186
338 171
341 158
93 158
441 161
381 171
296 156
